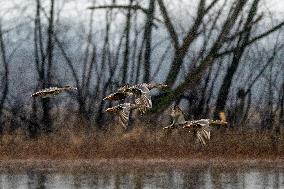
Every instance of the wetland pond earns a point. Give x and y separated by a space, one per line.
138 174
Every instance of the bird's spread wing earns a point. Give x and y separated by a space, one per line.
205 132
124 115
203 135
145 103
117 96
201 127
48 92
123 88
201 138
201 122
144 98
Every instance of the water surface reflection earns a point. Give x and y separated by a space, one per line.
144 177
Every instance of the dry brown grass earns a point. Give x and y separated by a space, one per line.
72 142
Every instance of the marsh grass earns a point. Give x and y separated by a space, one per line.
75 141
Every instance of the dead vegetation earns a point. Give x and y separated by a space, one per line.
74 141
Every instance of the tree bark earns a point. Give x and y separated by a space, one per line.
48 78
126 47
148 41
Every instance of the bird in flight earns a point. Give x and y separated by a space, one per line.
200 128
141 92
52 91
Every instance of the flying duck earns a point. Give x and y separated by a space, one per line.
141 92
52 91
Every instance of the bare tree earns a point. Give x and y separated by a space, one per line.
196 74
226 35
148 40
44 60
48 77
242 39
203 62
126 48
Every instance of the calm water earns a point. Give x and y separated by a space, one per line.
152 176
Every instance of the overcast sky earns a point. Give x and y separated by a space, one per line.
11 8
277 5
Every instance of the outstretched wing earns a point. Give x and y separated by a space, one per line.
124 114
201 138
48 92
205 132
37 94
144 99
201 127
201 122
203 135
123 88
117 96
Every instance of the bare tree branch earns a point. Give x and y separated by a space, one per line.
251 41
133 7
169 25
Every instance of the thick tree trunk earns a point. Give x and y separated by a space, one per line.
48 78
148 41
126 47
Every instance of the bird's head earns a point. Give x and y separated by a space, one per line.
222 116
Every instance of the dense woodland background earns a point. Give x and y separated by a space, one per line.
216 55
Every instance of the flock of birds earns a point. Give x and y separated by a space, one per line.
142 102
